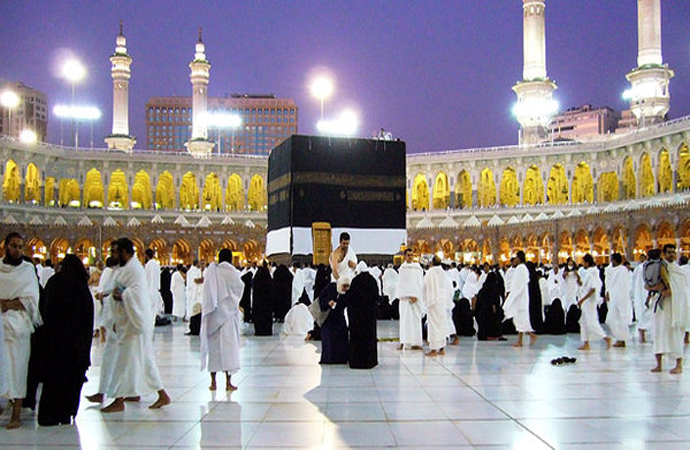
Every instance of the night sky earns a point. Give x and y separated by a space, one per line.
437 74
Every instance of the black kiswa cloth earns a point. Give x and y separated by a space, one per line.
361 312
262 302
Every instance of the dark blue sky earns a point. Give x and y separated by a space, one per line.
437 74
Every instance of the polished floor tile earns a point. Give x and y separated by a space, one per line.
481 394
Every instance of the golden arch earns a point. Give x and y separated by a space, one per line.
58 249
256 197
647 187
68 193
165 191
234 194
181 252
557 186
607 187
619 239
629 181
207 251
463 190
212 195
643 239
118 192
230 245
510 188
583 185
32 185
565 243
94 192
160 250
420 193
581 244
665 234
141 191
600 246
683 167
85 251
35 248
189 192
11 184
486 191
684 234
445 246
50 191
441 198
665 174
533 187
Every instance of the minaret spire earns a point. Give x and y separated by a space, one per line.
120 71
199 145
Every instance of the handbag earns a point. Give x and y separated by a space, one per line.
318 315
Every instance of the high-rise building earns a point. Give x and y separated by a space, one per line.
31 112
584 123
265 122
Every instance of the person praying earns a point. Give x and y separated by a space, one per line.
620 308
517 303
410 290
590 328
334 334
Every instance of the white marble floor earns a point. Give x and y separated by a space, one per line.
481 394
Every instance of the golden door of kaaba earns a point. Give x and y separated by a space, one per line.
321 236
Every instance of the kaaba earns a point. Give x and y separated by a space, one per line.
354 185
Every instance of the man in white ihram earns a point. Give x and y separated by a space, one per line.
343 259
153 280
516 305
19 307
410 291
618 281
135 371
220 319
438 295
195 285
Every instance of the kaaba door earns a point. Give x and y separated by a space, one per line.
321 235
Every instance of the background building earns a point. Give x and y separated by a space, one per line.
32 111
584 123
266 121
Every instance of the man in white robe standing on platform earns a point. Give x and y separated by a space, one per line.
220 320
590 328
683 263
517 300
135 371
618 282
153 280
643 313
343 259
390 280
410 291
19 307
309 280
179 293
671 313
297 282
438 292
195 284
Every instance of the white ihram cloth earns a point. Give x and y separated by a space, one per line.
554 285
375 272
105 286
686 270
153 279
297 285
309 280
18 282
590 328
298 321
343 266
195 291
179 293
643 314
390 283
438 293
410 284
620 307
671 315
517 304
569 289
135 372
508 279
471 286
220 319
45 274
3 363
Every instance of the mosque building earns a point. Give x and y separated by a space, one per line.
625 191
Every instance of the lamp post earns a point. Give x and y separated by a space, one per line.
74 71
77 114
322 88
10 100
223 120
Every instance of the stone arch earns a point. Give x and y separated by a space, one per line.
49 192
160 250
582 244
32 185
557 186
118 191
11 183
600 246
504 250
212 195
105 248
207 251
647 185
58 249
420 193
516 243
470 251
665 234
643 239
510 188
234 194
165 191
94 192
546 247
532 248
684 235
565 243
486 191
463 190
85 251
608 188
441 197
36 248
256 197
446 247
189 192
583 185
533 187
252 250
683 167
141 191
139 248
487 252
665 172
68 193
629 181
619 239
230 245
181 252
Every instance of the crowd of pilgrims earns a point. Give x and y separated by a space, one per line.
51 315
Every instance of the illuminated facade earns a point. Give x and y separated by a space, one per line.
31 113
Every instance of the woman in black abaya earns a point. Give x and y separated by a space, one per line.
361 312
68 324
487 309
335 346
263 294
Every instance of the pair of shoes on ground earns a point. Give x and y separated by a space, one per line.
563 360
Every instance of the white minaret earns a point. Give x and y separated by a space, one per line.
649 96
535 106
199 146
120 60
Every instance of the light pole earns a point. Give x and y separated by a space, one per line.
322 88
77 114
74 71
223 120
9 100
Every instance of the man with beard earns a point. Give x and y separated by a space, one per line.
343 259
19 306
410 289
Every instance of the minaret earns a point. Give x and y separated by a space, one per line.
535 106
120 60
649 96
199 146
